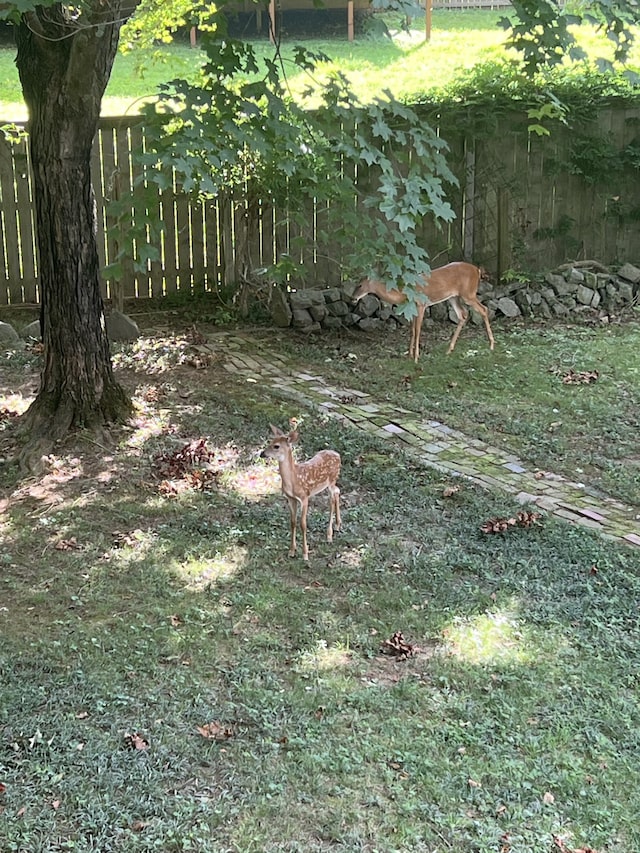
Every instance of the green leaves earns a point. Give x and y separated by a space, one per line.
13 11
365 174
540 29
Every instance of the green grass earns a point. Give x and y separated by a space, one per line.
405 64
514 397
517 720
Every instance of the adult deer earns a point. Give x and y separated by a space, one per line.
301 480
455 283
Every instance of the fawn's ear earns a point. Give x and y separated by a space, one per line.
277 432
293 436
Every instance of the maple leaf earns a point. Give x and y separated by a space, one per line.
497 525
521 519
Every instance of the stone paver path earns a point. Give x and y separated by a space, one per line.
431 442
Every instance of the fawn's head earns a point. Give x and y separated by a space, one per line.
280 445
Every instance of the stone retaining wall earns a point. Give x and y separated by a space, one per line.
566 293
563 294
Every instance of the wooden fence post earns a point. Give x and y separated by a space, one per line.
469 198
504 244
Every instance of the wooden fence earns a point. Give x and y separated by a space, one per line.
520 205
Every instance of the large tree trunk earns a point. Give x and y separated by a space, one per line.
64 66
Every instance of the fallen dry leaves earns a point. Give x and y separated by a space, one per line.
136 741
521 519
215 731
7 414
67 544
397 646
563 847
193 466
584 377
575 377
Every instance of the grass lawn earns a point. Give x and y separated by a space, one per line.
405 64
170 680
514 396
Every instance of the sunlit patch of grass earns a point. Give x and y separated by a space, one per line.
492 637
145 426
323 657
200 573
254 482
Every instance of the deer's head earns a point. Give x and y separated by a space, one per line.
280 445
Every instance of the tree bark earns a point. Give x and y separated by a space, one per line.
64 64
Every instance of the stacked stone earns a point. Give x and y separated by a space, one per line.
573 291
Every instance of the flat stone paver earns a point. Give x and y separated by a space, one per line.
433 443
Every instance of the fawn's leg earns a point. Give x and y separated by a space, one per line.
334 510
293 518
304 506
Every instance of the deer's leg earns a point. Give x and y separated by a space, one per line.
463 315
482 311
334 511
293 519
412 339
417 329
304 506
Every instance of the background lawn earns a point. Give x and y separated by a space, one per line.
405 64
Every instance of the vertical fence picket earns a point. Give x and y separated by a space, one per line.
169 237
197 247
25 222
10 214
212 245
100 189
6 186
184 271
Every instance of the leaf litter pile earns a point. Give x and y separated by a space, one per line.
576 377
193 466
524 519
397 646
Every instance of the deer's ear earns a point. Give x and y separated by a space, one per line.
293 436
277 432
